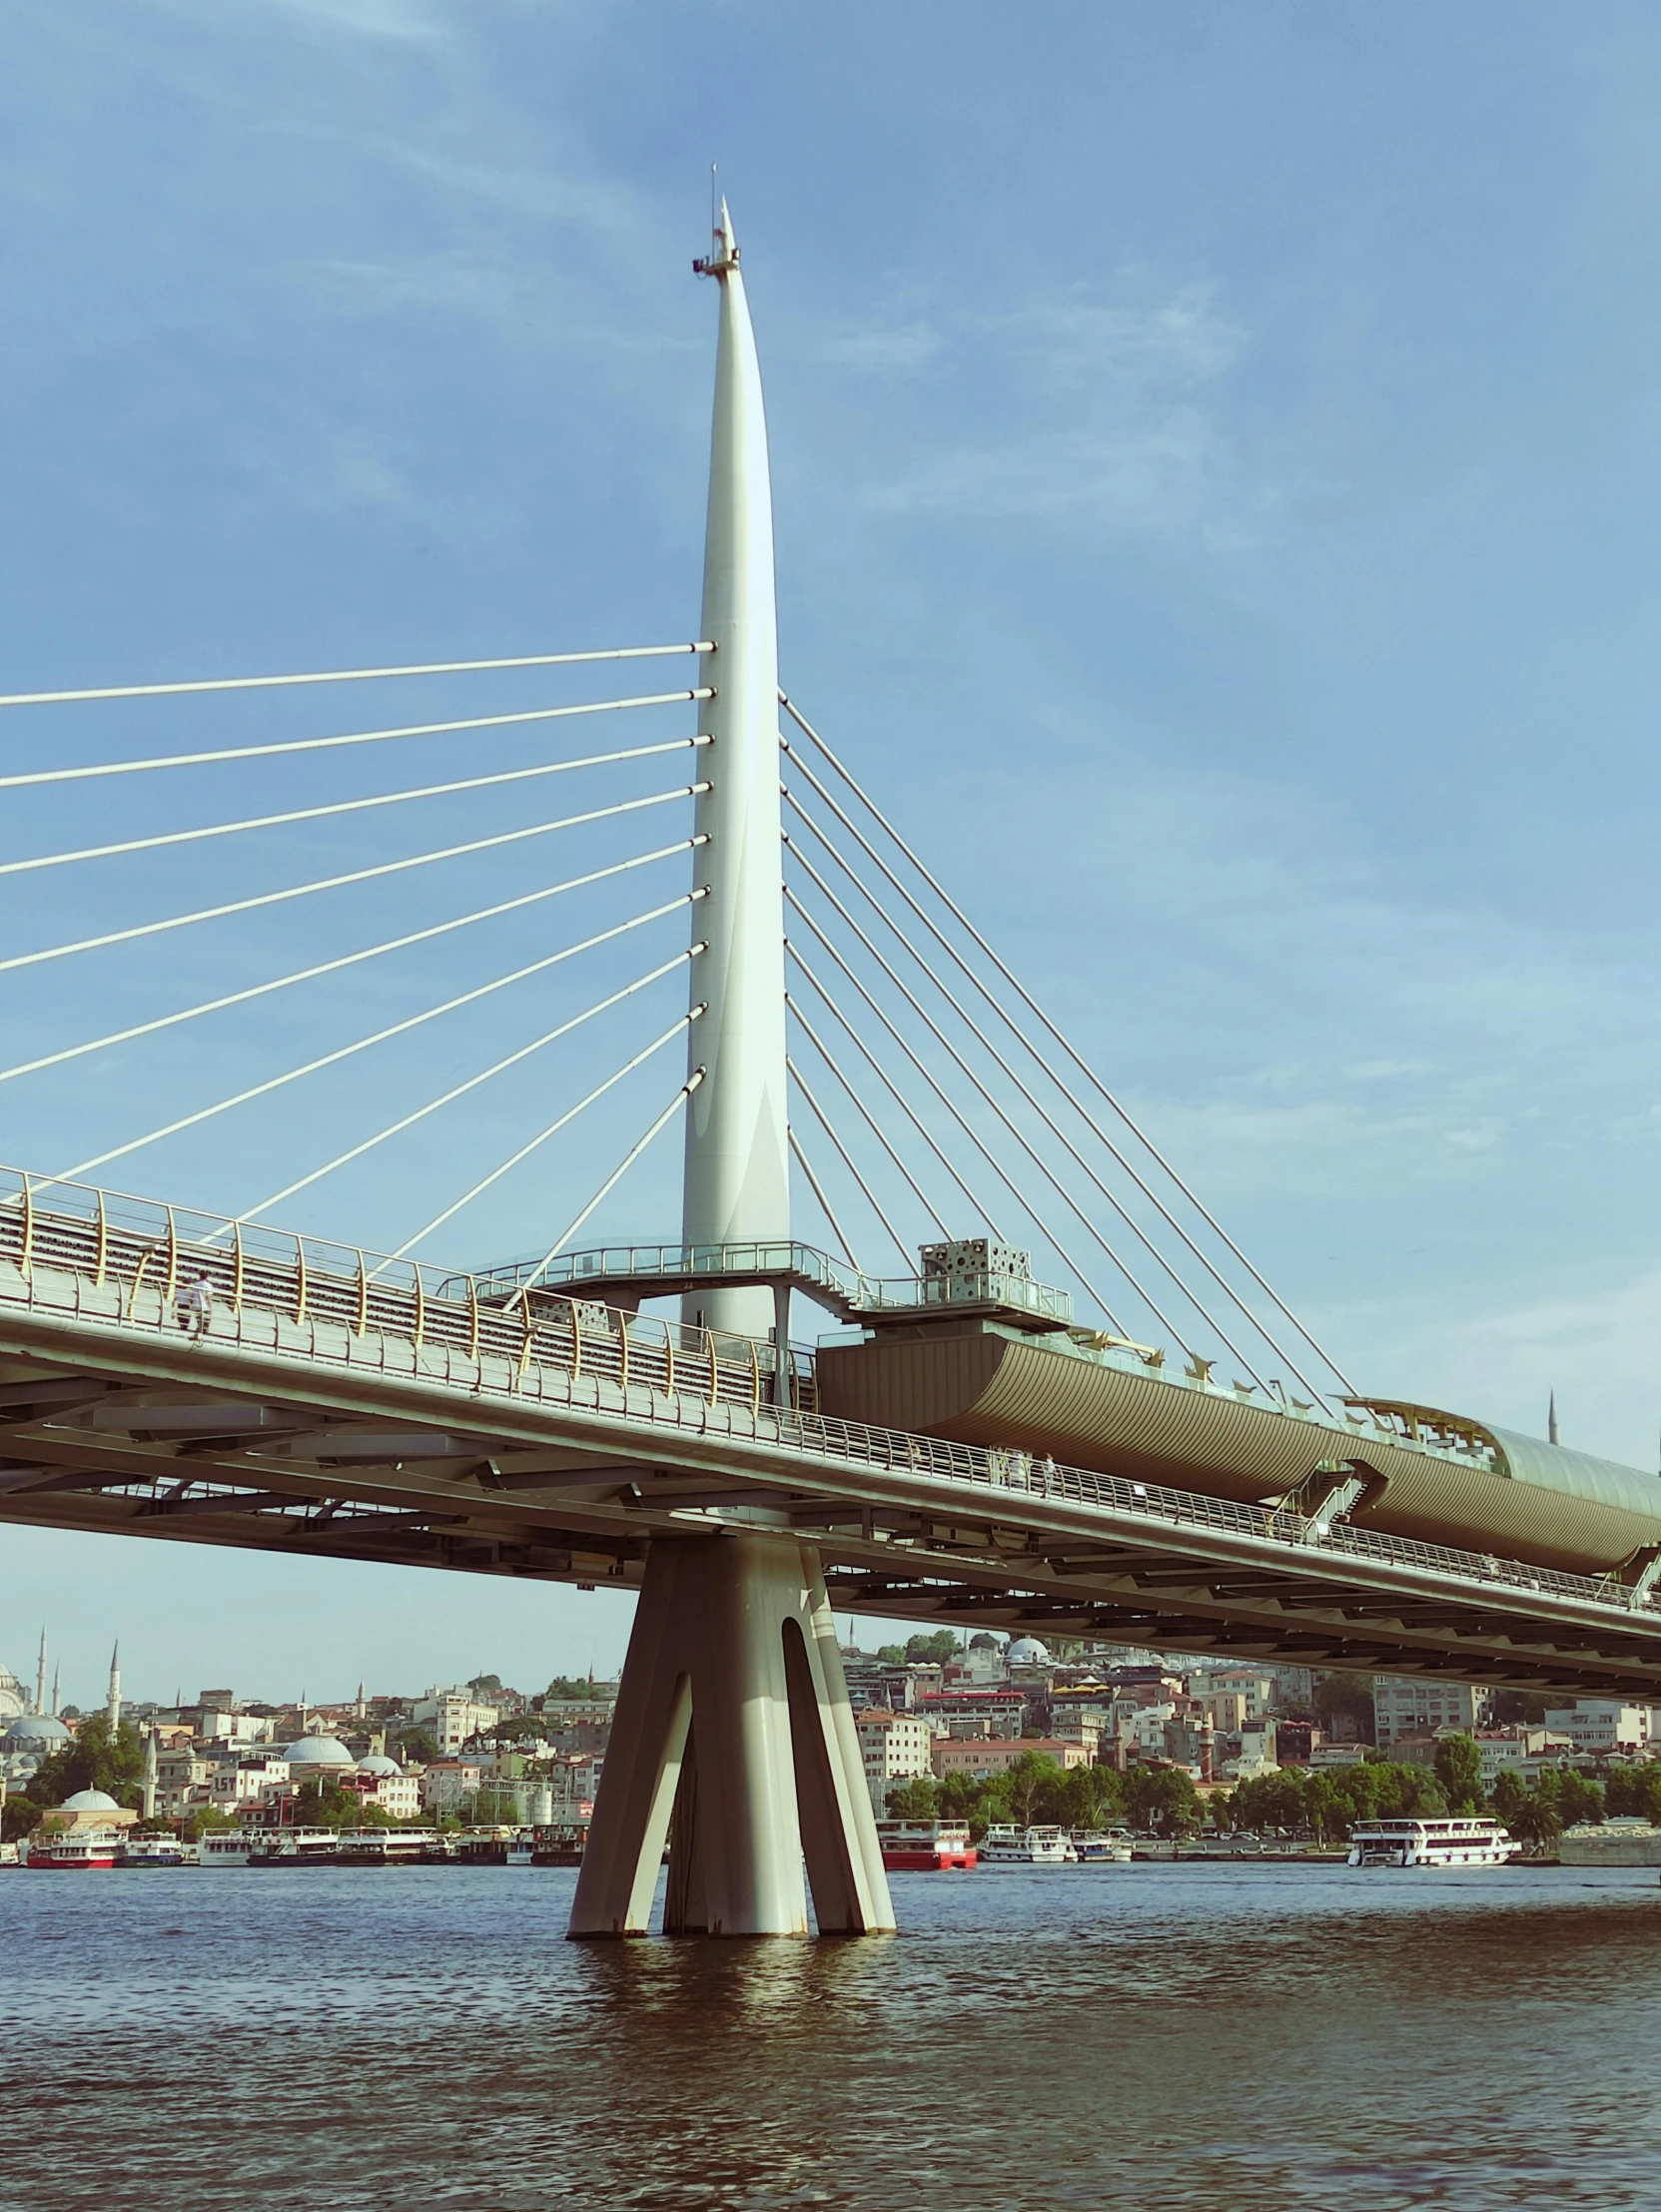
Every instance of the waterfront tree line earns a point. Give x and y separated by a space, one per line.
1331 1800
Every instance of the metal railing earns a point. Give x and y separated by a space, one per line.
104 1256
845 1288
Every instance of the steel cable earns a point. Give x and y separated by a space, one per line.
347 675
512 1060
1067 1047
524 1152
306 975
981 1038
356 806
363 1044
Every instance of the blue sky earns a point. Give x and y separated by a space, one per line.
1215 456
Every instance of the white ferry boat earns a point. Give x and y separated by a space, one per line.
385 1847
1009 1845
1454 1842
152 1850
224 1847
1093 1848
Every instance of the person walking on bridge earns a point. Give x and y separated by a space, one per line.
194 1305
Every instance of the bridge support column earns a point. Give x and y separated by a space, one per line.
733 1717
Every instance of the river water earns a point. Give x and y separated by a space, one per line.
1173 2038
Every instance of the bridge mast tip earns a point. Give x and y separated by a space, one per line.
726 255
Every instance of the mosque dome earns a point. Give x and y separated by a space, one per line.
378 1763
319 1752
36 1732
14 1698
90 1801
1026 1651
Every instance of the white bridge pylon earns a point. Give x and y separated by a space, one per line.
733 1722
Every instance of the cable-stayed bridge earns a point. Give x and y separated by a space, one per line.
1048 1389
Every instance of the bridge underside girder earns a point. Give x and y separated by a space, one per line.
306 1472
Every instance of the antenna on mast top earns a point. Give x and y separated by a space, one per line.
725 256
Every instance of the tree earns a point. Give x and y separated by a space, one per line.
915 1799
1091 1796
17 1817
1271 1800
202 1821
1538 1817
1577 1799
94 1760
1032 1773
1458 1764
1325 1808
1508 1796
485 1681
892 1655
935 1648
1634 1792
1408 1794
575 1685
1161 1796
418 1744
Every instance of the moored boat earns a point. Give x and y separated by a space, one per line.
296 1846
1460 1841
77 1849
925 1847
1009 1845
224 1847
152 1850
1093 1848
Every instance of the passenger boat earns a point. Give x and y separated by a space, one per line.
296 1846
78 1850
152 1850
1454 1842
224 1847
1094 1848
925 1847
1009 1845
498 1847
385 1847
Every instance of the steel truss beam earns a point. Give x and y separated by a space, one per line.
263 1454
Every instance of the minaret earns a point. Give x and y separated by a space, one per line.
56 1701
115 1691
1551 1419
737 1186
40 1676
148 1798
362 1704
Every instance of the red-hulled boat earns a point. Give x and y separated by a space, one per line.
925 1847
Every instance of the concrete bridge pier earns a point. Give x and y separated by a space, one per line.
733 1741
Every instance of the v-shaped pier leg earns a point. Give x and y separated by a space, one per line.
734 1715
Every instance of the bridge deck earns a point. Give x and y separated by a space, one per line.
332 1412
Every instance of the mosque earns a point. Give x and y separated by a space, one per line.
30 1730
